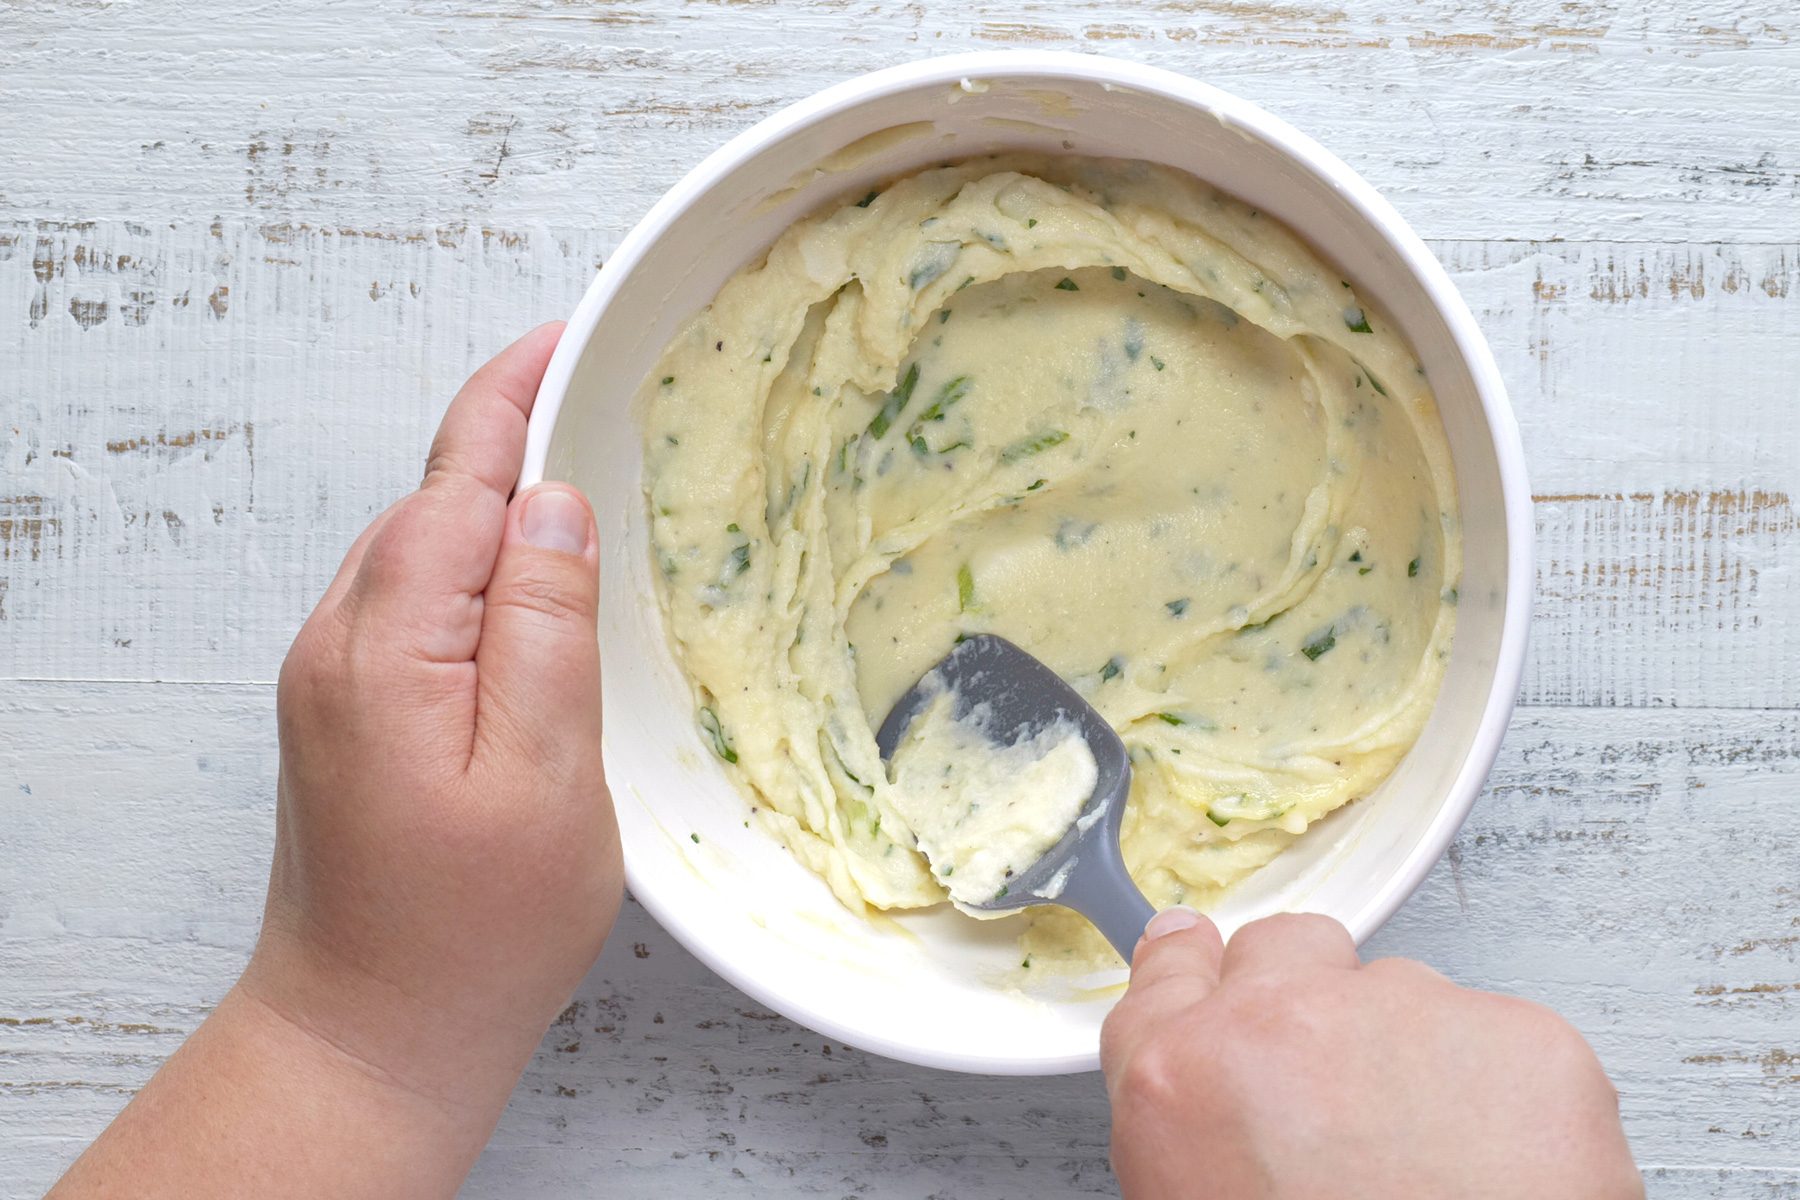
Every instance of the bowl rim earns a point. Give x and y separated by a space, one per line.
1251 119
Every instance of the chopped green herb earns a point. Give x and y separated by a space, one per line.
919 447
1451 596
1001 894
740 559
838 756
768 356
1027 963
867 200
947 397
1134 340
1216 819
965 283
896 401
934 262
1169 718
965 588
732 528
1036 484
696 838
1356 557
949 871
1364 570
1177 607
1156 362
671 439
709 722
1118 273
1110 670
1319 643
1030 223
1071 533
1067 285
667 380
1027 447
1376 383
1356 321
943 316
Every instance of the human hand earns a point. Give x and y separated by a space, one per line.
1280 1066
446 860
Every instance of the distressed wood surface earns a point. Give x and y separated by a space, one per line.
247 253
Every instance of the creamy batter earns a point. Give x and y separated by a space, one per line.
983 808
1095 407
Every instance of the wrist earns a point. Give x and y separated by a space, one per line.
324 1081
451 1064
258 1103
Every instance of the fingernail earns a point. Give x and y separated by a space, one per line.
555 519
1171 920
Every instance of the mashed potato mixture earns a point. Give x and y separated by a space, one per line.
1101 410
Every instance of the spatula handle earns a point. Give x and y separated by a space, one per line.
1112 902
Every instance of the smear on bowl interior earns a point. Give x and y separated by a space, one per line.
1095 407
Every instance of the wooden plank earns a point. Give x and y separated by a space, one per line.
1633 869
206 415
1534 118
200 424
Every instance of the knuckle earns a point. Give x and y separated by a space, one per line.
1298 925
307 672
1551 1038
443 464
1405 971
543 597
1152 1079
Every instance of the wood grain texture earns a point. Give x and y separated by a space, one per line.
229 403
1528 118
247 254
1579 881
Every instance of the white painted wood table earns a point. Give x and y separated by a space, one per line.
247 251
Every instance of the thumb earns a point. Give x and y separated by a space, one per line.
538 663
1175 966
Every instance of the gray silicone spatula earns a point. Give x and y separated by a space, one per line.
1084 869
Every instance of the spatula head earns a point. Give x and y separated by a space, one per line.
1024 698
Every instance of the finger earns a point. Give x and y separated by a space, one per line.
422 574
538 666
1178 943
353 557
1174 965
482 435
1288 940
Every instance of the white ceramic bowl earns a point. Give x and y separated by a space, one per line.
933 987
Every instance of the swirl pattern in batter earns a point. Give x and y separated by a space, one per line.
1095 407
